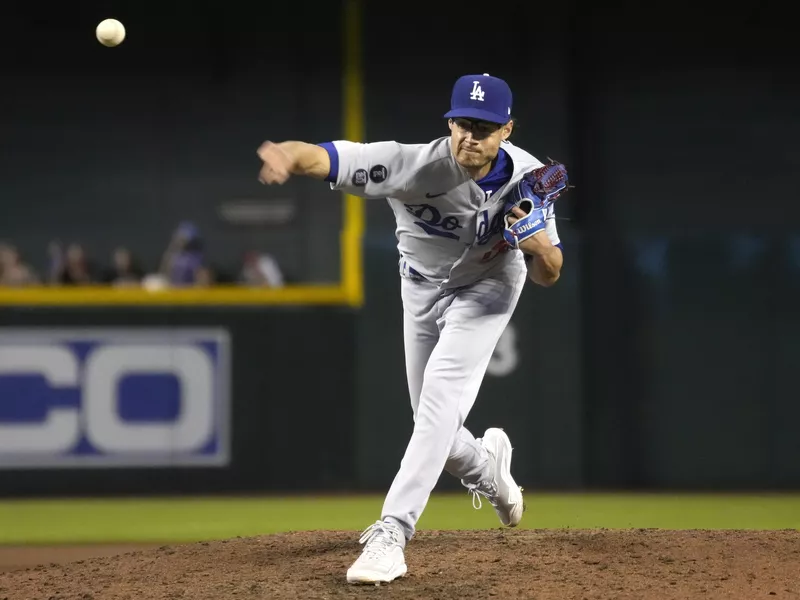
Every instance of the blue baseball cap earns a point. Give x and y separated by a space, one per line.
481 97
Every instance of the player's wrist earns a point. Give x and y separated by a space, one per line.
539 245
289 152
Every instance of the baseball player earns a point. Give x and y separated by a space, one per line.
475 220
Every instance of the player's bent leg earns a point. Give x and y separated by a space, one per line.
468 459
470 327
499 488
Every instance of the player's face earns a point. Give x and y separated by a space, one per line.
475 143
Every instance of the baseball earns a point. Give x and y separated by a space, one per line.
110 32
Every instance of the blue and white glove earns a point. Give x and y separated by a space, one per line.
534 194
532 223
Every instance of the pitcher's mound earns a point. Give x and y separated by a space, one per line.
557 564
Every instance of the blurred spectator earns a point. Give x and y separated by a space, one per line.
155 282
14 272
261 270
125 271
204 277
71 267
183 260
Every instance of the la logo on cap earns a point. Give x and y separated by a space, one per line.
477 93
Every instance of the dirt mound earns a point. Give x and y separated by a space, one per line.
541 564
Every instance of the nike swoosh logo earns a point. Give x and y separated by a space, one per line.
429 195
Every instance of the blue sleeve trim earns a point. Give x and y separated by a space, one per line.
333 153
560 246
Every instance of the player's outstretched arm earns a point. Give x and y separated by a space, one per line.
284 159
370 170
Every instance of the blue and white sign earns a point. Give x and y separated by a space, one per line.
114 398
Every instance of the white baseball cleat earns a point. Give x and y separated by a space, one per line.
501 490
382 559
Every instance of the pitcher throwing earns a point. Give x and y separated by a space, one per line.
475 219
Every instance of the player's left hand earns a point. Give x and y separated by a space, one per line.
537 243
529 204
528 220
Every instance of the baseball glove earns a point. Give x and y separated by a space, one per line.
534 194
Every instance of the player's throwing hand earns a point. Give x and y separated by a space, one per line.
277 164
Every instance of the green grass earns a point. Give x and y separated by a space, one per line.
182 519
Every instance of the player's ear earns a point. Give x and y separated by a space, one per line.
507 129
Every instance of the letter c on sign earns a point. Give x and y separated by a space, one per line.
60 430
107 365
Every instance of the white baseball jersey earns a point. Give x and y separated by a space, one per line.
460 285
449 227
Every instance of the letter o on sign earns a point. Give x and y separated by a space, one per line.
104 370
